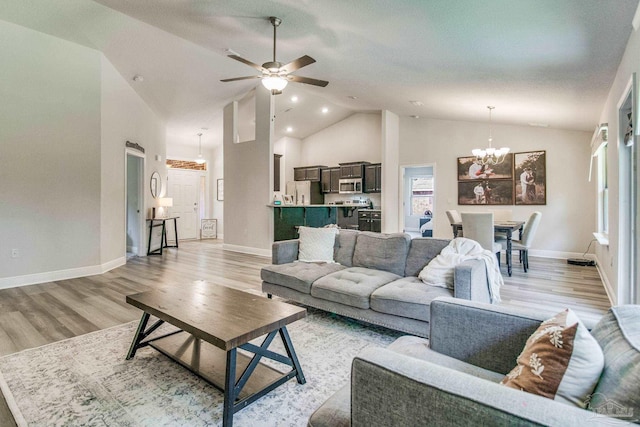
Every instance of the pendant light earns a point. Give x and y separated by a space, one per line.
490 156
200 160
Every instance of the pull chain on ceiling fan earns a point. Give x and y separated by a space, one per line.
275 75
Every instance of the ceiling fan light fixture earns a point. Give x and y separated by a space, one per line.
274 83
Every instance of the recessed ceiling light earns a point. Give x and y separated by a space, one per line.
325 110
539 125
138 78
417 103
294 98
289 129
352 97
415 117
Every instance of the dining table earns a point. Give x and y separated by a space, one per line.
506 227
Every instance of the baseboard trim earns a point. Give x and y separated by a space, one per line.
557 254
247 250
611 294
51 276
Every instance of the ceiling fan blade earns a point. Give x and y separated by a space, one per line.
308 80
249 63
241 78
296 64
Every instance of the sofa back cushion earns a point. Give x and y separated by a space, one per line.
421 251
618 333
345 244
386 252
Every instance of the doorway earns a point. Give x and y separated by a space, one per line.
134 204
418 195
185 188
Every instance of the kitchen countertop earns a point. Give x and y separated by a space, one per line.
304 206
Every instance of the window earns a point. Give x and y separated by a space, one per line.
421 195
603 190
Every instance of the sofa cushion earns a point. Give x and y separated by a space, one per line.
345 244
352 286
381 251
419 348
407 297
298 275
316 244
561 361
421 251
618 333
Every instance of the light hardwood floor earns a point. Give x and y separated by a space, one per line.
31 316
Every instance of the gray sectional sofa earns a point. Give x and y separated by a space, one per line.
452 378
374 279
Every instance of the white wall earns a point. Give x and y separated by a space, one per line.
49 154
607 256
125 117
64 118
567 218
248 182
353 139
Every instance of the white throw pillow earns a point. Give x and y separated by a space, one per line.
316 244
561 360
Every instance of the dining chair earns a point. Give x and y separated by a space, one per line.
454 217
524 243
478 226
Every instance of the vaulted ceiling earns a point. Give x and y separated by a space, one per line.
547 62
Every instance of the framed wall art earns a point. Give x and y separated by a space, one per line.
485 192
470 169
209 229
530 178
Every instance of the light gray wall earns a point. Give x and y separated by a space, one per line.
569 215
607 256
64 118
353 139
49 153
125 117
248 182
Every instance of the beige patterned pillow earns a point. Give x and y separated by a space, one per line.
561 361
316 244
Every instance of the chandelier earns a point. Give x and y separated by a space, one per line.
490 156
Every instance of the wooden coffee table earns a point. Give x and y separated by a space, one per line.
214 321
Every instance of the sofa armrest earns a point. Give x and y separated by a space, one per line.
284 251
470 281
388 389
486 335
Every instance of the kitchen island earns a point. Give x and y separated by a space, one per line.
287 219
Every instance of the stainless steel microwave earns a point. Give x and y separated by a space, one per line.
350 186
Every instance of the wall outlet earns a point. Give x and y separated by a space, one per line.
15 253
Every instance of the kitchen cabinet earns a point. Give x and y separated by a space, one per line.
370 220
308 173
287 219
352 170
373 178
330 180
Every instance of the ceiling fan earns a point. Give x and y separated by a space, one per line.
276 75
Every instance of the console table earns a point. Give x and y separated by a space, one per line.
162 222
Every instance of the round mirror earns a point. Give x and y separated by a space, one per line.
156 185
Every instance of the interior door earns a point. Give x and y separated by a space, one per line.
183 188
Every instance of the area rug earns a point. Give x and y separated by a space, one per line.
86 381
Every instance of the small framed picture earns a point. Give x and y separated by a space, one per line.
220 190
529 185
287 199
209 229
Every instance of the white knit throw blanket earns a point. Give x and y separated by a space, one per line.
439 272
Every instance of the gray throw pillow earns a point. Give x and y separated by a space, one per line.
381 251
618 391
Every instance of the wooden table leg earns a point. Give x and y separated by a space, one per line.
509 261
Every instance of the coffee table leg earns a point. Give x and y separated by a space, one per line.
288 345
139 336
229 389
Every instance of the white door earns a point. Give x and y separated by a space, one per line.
183 188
